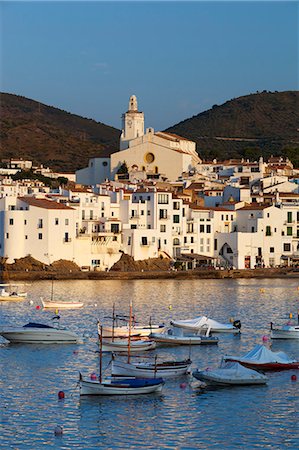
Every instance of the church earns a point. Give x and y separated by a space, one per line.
146 153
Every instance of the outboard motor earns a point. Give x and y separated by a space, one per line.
237 324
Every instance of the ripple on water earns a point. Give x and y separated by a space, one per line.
32 375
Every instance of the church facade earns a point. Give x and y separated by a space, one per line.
146 153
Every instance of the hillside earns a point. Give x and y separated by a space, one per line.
258 124
50 136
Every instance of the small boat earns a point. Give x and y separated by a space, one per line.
287 331
51 304
127 386
164 369
12 294
230 374
137 330
178 336
121 345
261 358
204 322
38 333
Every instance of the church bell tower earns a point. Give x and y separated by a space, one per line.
132 123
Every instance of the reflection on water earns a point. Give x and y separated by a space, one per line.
248 417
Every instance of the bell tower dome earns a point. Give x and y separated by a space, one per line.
132 123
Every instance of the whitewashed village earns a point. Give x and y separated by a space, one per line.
154 198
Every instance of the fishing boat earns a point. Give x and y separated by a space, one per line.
11 293
124 386
61 305
261 358
121 345
204 322
179 336
287 331
38 333
230 374
164 369
120 331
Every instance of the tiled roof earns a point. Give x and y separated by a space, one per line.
43 203
255 206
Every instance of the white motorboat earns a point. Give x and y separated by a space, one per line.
287 331
230 374
205 322
37 333
261 358
127 386
179 336
51 304
164 369
11 293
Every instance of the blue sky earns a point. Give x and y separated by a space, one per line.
179 58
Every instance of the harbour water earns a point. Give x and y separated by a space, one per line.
182 417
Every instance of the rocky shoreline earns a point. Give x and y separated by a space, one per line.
144 275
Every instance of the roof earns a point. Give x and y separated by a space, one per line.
255 206
43 203
171 136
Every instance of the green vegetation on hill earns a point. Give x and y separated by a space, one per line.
50 136
265 123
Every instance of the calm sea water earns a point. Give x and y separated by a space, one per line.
242 417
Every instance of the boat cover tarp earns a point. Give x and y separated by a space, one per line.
138 382
262 355
232 371
200 322
36 325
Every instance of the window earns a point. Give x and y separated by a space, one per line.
183 212
268 214
208 228
185 240
271 249
162 228
133 227
268 230
56 221
297 216
289 231
7 235
201 228
40 223
148 212
95 262
163 213
40 235
112 213
144 240
134 213
115 228
129 240
66 221
10 221
163 199
231 217
165 241
114 238
215 244
192 240
176 218
26 237
25 222
222 217
290 217
83 214
229 250
91 214
226 217
286 247
176 241
142 212
252 229
176 205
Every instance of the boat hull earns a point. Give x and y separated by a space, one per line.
96 388
12 298
213 379
284 334
36 337
164 370
183 340
62 305
135 331
123 346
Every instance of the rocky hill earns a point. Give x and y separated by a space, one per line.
50 136
265 123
